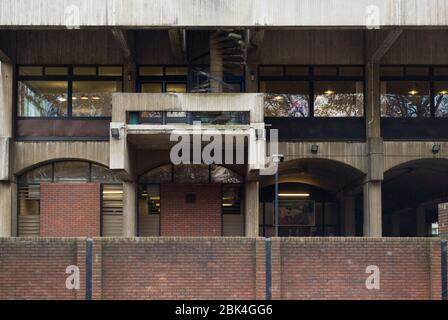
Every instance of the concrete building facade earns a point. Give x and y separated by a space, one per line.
92 92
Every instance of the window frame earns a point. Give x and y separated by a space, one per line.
70 78
431 79
311 79
187 79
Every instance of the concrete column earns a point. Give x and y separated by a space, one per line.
396 224
348 216
420 215
372 209
375 154
7 187
129 209
251 204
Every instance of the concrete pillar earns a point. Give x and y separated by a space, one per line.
251 204
348 216
7 187
372 209
375 154
395 224
420 215
129 209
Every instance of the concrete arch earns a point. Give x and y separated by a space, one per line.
331 175
32 154
352 154
398 152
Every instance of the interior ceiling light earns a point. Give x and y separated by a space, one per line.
293 194
84 98
96 98
413 92
329 92
278 98
443 92
62 99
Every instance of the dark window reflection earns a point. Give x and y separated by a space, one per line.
338 99
286 98
441 99
405 99
42 98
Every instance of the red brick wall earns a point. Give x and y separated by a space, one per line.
443 220
222 268
35 269
335 268
181 268
179 218
70 210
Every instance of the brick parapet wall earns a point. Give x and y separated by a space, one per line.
335 268
222 268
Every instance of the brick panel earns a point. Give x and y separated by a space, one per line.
180 268
443 220
35 269
202 218
335 268
70 210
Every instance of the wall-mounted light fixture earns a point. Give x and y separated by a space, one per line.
115 133
314 148
436 148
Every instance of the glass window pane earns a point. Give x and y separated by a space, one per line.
221 174
391 71
56 71
351 71
42 98
194 173
176 87
93 98
231 201
151 87
325 71
158 175
31 71
417 71
441 72
71 172
441 99
297 71
405 99
84 71
339 99
176 71
114 71
103 174
286 98
150 71
149 199
38 175
271 71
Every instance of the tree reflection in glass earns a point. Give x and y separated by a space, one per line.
405 99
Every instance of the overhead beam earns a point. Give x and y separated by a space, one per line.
123 41
385 45
178 43
4 57
256 38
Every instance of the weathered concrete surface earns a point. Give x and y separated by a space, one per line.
28 154
252 13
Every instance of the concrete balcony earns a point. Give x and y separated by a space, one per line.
148 121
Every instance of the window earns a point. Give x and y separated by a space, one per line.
93 98
312 91
338 99
69 172
66 91
414 91
43 98
405 99
149 210
231 199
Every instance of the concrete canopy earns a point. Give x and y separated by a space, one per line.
222 13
